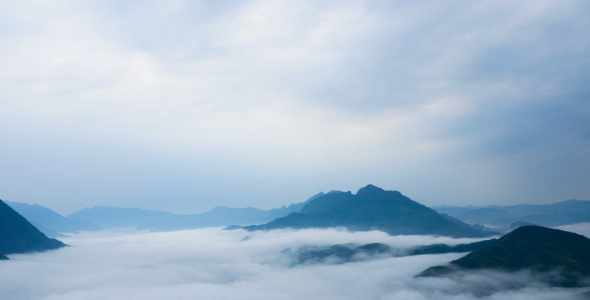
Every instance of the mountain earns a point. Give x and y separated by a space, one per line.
567 206
372 208
224 216
112 217
537 248
484 215
143 219
556 214
17 235
444 248
556 219
48 221
454 210
337 254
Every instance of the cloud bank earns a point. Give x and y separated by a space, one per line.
215 264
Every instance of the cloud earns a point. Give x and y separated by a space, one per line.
580 228
266 103
216 264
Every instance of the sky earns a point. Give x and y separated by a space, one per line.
220 264
185 105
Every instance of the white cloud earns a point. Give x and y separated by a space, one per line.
215 264
580 228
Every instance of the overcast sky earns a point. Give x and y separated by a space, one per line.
183 106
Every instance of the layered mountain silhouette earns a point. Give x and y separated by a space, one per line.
17 235
556 214
373 208
113 217
539 249
53 224
332 209
48 221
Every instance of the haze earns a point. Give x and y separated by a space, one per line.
182 106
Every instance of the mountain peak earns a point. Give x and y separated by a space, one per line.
372 208
540 249
17 235
370 189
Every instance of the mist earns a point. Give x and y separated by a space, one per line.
218 264
580 228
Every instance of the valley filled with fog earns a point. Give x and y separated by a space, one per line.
220 264
260 149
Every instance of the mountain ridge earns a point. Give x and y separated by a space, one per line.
372 208
49 221
143 219
17 235
539 249
554 214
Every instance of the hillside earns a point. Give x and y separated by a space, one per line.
48 221
17 235
343 253
373 208
536 248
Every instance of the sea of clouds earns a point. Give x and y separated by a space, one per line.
218 264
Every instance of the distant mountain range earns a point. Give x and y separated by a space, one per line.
48 221
112 217
373 208
332 209
103 217
563 258
556 214
17 235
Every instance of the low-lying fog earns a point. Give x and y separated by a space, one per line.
218 264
